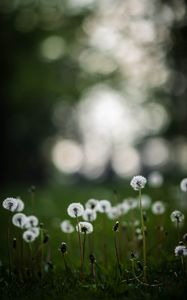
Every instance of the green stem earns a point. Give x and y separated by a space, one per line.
117 254
178 234
8 245
144 240
84 243
80 247
41 241
31 266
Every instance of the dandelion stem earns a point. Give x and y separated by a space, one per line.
41 240
117 254
178 234
84 243
144 240
8 245
30 250
65 263
80 247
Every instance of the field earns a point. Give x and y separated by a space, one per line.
115 271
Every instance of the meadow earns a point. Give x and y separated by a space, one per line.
108 262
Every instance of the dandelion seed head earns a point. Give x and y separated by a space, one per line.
89 215
92 204
66 226
131 203
32 221
158 208
183 185
185 237
29 236
146 201
180 251
138 182
19 220
84 227
20 205
155 179
177 216
35 230
10 203
114 213
104 206
123 207
75 210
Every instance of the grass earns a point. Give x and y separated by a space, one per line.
50 205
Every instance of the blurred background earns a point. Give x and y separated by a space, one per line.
92 90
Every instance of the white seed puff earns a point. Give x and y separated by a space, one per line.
183 185
177 216
75 210
84 227
10 203
180 251
89 215
29 236
66 226
19 220
138 182
20 205
158 208
104 206
92 204
32 221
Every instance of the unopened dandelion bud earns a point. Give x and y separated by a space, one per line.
41 225
46 239
116 226
63 248
14 243
92 259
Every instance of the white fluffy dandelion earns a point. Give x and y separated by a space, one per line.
89 215
155 179
104 206
84 227
177 216
158 208
20 205
183 185
146 201
180 250
75 210
29 236
32 221
123 207
114 213
35 230
131 203
92 204
66 226
10 204
19 220
138 182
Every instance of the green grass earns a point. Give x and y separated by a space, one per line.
51 208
